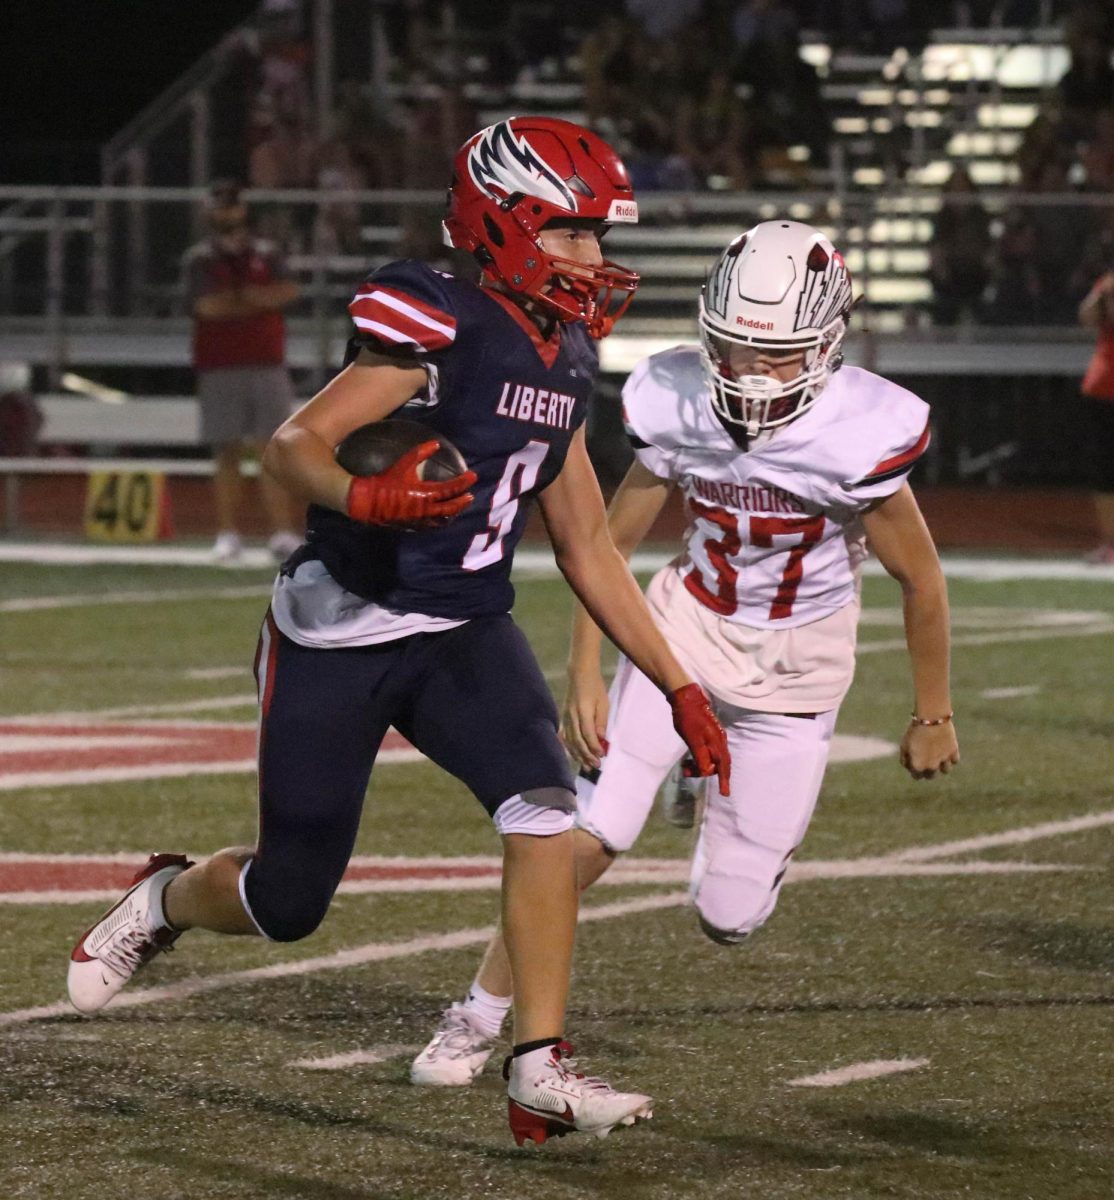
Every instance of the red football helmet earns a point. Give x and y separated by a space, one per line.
513 178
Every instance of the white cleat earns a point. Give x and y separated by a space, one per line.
227 549
129 935
558 1100
681 795
455 1055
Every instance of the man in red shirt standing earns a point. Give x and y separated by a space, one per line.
238 288
1097 310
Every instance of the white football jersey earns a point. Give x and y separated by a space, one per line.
774 537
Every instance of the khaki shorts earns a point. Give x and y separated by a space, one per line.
243 404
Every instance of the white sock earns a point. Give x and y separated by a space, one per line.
533 1062
485 1011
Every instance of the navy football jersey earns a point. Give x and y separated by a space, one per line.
509 401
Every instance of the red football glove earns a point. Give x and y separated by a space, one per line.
398 496
696 723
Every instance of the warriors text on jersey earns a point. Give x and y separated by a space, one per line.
774 537
509 401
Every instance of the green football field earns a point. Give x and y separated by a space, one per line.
927 1014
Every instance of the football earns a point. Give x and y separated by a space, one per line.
372 448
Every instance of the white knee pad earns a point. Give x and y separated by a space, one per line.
748 839
612 804
541 813
735 899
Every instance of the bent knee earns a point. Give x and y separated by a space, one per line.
290 925
728 915
285 914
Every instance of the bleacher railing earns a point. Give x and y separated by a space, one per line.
97 262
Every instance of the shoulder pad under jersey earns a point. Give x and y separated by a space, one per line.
405 306
666 408
870 432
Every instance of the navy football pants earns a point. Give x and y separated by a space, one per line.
471 698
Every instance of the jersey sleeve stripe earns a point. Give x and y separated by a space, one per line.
383 320
366 315
389 334
410 307
899 463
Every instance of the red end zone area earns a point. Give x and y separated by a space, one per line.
35 752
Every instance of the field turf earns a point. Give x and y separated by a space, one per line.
984 968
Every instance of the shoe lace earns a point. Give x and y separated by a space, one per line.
130 950
456 1034
566 1066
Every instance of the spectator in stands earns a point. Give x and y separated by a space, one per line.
283 155
436 125
1016 287
960 251
1097 311
338 221
370 129
238 287
1088 83
609 57
1046 137
715 134
787 104
1062 228
285 54
1097 156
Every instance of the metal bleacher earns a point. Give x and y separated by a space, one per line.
89 277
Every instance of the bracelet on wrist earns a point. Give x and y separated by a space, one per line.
918 720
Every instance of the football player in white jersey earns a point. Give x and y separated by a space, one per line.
788 463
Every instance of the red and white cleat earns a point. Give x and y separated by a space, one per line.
129 935
558 1099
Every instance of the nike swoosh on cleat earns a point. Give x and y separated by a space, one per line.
568 1115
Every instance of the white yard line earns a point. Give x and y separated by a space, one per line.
248 699
856 868
1011 837
993 639
383 951
858 1071
1010 693
355 1058
342 959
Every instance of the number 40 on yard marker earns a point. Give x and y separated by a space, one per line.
126 506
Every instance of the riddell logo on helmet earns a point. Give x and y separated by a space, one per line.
623 210
754 324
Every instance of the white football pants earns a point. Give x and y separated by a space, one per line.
746 839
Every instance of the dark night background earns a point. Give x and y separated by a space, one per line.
73 72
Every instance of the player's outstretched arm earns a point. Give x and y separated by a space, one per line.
904 546
598 573
635 506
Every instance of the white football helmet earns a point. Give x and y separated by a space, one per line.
781 288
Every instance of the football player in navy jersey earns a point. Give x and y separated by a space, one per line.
396 609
